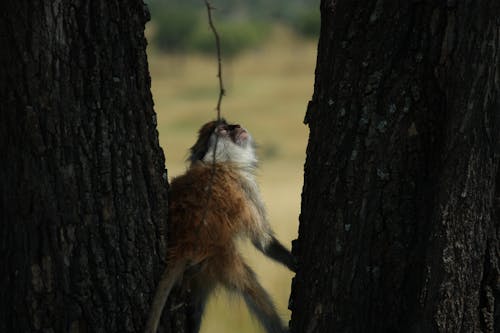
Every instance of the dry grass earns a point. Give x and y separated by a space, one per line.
267 91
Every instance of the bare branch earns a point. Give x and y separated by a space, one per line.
219 100
219 58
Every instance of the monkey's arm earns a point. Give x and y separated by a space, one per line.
261 231
276 251
263 239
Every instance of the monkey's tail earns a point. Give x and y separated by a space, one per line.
170 276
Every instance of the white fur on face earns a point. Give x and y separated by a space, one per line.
241 154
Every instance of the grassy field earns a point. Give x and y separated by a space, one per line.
267 91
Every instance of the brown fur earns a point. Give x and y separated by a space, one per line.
205 224
210 206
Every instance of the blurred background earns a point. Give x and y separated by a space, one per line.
269 55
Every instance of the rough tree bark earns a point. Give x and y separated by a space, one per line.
83 192
399 226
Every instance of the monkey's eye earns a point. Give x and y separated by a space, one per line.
222 129
226 129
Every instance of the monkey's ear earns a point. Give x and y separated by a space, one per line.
200 148
197 153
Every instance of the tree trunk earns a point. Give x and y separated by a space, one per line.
399 226
83 193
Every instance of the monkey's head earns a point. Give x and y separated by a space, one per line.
234 144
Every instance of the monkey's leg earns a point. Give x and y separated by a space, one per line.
170 276
200 290
242 279
276 251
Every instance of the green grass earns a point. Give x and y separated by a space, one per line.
267 91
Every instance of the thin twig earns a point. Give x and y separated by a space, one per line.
219 58
219 100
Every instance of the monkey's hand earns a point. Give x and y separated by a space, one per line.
276 251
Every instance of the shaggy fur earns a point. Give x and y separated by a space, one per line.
210 206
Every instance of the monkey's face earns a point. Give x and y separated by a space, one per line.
231 142
237 134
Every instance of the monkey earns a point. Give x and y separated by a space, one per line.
213 204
